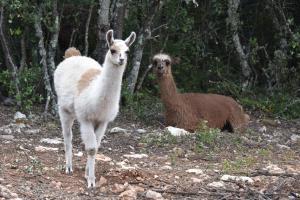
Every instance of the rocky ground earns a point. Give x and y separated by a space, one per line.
140 161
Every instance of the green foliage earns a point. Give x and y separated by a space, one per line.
279 105
205 136
29 81
141 105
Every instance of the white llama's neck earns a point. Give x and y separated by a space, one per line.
109 83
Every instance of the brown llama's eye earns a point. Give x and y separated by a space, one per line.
112 51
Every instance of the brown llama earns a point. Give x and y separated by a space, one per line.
187 110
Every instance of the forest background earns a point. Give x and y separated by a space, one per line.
248 49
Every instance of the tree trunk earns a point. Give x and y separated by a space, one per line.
23 52
103 26
9 59
234 21
43 54
118 17
86 35
143 36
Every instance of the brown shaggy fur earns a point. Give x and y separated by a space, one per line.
187 110
72 51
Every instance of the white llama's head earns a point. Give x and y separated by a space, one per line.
119 49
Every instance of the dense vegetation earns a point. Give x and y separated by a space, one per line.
248 49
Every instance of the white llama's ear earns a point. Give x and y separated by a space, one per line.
130 39
110 37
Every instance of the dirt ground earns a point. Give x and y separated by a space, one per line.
263 162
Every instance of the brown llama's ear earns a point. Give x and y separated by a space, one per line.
110 37
176 60
130 39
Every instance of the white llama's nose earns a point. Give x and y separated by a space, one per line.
121 61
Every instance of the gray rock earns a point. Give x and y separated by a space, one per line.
19 116
7 137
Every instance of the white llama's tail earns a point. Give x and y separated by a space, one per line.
72 51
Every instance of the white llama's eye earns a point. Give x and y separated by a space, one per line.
127 52
167 62
154 62
112 51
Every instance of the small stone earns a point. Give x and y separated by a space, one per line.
55 184
33 131
141 131
244 179
281 146
103 158
263 129
44 149
153 195
295 138
79 154
128 195
118 188
7 137
274 169
19 116
166 167
103 189
7 131
195 171
136 188
102 181
176 177
177 131
217 184
118 130
51 141
137 156
196 180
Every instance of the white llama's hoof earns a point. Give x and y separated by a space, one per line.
69 170
91 182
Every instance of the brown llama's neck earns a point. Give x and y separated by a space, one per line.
168 90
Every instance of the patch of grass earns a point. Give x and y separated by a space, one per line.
159 140
238 165
206 137
264 152
35 166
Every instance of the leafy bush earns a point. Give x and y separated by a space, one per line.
279 105
206 136
29 82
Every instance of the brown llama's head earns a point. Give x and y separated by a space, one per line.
161 64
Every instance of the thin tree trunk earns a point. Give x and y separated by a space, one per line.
233 19
103 26
23 52
143 36
118 17
86 35
54 39
139 86
8 58
43 53
72 37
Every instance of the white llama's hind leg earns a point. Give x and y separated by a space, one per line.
90 142
100 131
66 123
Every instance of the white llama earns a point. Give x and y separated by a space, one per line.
90 93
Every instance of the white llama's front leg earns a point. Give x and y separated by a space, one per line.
66 123
90 142
100 131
